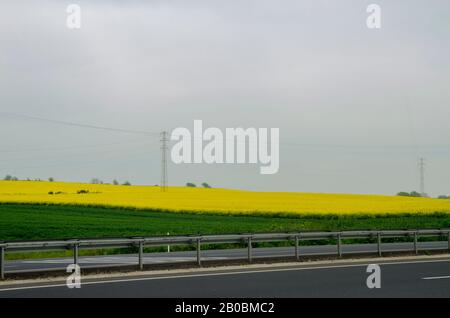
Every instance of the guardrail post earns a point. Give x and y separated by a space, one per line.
75 254
141 255
249 251
449 241
2 263
339 245
416 245
199 257
379 244
297 256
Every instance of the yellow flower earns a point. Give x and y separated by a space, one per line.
214 200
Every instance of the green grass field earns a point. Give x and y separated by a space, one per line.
34 222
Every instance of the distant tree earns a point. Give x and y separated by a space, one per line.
126 183
115 182
8 177
206 185
444 197
51 179
96 181
191 185
413 194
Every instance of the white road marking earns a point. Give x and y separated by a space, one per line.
222 274
435 278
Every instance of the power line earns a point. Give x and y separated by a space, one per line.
81 125
76 147
284 144
164 140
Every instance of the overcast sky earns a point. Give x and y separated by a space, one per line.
356 107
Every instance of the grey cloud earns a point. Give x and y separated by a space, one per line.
355 107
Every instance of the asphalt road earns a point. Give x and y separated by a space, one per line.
418 278
190 256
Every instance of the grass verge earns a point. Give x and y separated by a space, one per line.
44 222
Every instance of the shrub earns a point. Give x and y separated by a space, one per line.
10 178
413 194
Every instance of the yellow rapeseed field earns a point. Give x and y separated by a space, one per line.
215 200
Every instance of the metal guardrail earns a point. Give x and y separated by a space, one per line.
249 239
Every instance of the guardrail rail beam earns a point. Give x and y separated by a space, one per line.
76 244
